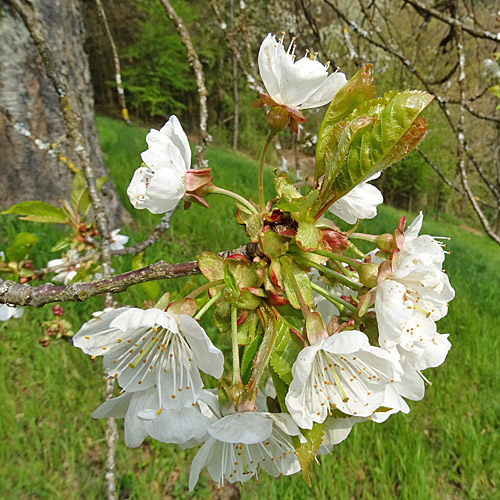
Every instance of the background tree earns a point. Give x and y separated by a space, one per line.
45 101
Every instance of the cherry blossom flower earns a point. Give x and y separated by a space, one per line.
185 426
8 312
342 371
158 185
421 250
241 444
359 203
406 298
117 241
143 348
298 84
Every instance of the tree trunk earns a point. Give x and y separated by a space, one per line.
44 70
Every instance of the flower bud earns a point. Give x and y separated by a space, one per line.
278 118
368 274
385 241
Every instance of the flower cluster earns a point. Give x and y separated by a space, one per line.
343 334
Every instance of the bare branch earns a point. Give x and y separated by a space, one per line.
25 295
195 63
251 77
462 154
438 171
478 33
116 60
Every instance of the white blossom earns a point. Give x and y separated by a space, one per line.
117 240
143 348
342 371
241 444
359 203
185 426
8 312
158 185
406 298
301 84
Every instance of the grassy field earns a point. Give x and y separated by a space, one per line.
446 448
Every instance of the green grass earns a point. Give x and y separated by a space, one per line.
446 448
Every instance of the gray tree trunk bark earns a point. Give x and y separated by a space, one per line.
31 102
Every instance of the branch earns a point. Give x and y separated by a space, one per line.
462 154
25 295
438 171
250 75
116 60
195 63
419 6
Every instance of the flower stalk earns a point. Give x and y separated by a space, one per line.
265 149
235 196
236 379
208 305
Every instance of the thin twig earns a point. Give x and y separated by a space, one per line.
462 154
195 63
116 60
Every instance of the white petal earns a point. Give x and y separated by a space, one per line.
337 429
200 461
266 60
414 228
360 203
159 192
326 92
300 80
246 428
135 430
178 426
394 310
7 312
114 408
163 154
98 333
141 319
208 357
173 129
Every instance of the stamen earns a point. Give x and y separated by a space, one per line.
143 352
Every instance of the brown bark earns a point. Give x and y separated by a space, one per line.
45 72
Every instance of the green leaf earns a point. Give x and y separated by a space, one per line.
61 244
222 315
274 245
281 389
253 225
38 211
248 357
78 189
100 181
306 452
285 188
307 236
356 91
392 136
284 353
341 140
21 247
211 266
302 280
299 204
248 329
495 90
